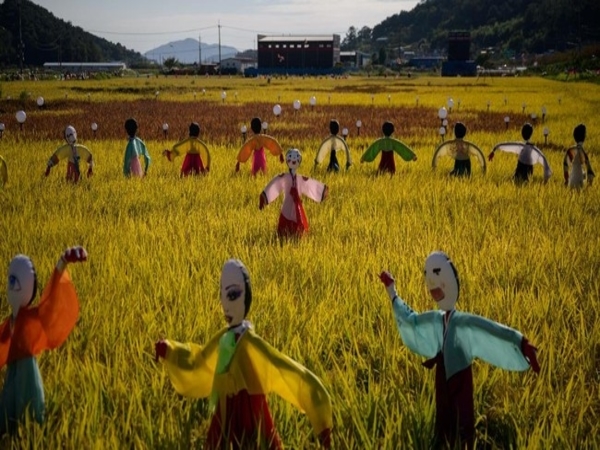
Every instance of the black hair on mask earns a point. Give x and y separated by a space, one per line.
527 131
35 284
457 279
387 128
579 133
256 125
334 127
131 126
248 288
460 130
194 129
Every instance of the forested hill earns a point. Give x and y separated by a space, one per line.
513 26
47 38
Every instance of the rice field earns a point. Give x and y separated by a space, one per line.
527 256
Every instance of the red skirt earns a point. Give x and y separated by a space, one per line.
293 228
72 174
246 424
387 163
192 165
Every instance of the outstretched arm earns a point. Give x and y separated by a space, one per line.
422 333
191 367
60 153
71 255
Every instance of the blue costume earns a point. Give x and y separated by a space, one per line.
452 340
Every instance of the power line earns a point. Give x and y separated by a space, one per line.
152 33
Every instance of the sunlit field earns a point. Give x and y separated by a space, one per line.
527 256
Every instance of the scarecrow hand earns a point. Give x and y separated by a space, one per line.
47 172
491 156
237 166
390 284
74 254
160 349
325 438
281 157
90 171
167 153
529 351
71 255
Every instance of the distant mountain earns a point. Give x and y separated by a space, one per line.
188 51
46 38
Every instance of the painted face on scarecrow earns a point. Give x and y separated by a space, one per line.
22 283
293 158
442 280
236 293
70 135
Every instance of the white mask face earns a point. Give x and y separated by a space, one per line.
21 282
442 280
70 135
293 158
233 292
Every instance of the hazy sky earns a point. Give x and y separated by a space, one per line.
142 25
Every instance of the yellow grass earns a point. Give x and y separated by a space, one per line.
527 257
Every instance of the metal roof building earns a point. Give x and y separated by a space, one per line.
298 53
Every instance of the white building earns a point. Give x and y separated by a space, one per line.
236 65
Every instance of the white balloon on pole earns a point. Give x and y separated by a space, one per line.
297 105
277 110
21 116
442 113
40 101
94 126
313 101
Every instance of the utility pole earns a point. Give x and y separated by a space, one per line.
199 51
219 47
21 45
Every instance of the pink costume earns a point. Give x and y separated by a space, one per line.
292 220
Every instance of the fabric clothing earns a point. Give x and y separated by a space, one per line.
523 172
573 166
528 155
334 165
240 380
35 329
22 393
136 149
74 154
452 340
332 145
197 156
292 220
462 168
461 151
455 409
259 161
192 165
255 147
387 146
